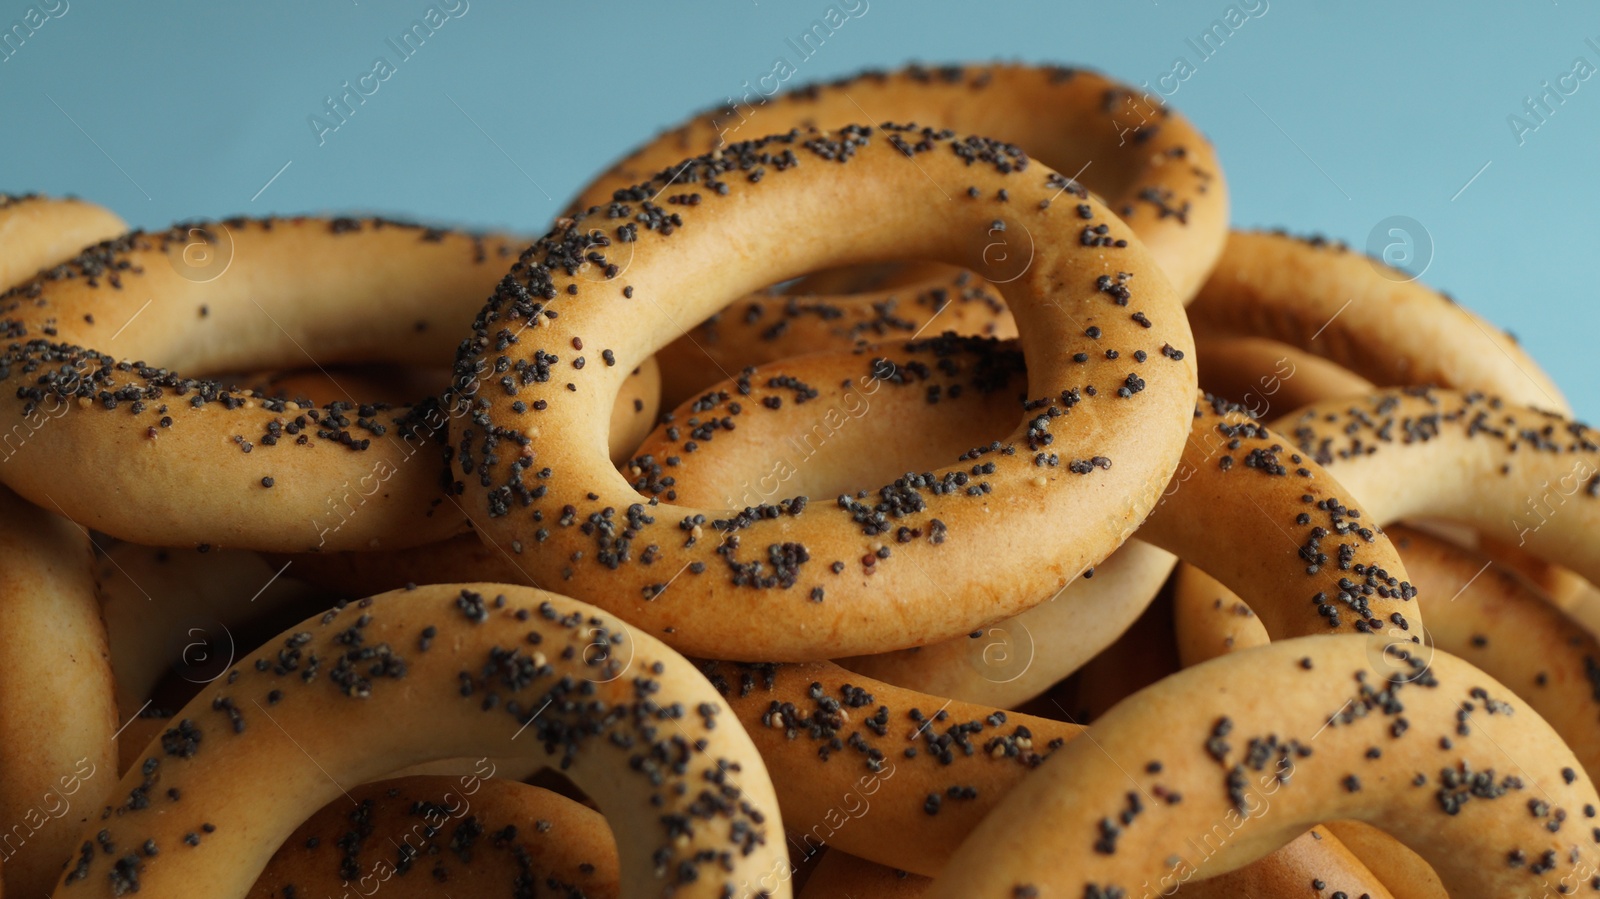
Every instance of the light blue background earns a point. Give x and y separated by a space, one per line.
1329 116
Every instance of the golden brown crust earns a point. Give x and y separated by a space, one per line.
1445 759
442 672
58 718
533 483
1153 168
1268 378
40 231
938 398
1336 569
1483 613
1534 476
632 416
892 775
224 297
1401 870
1209 620
1312 864
1320 566
1491 617
866 277
469 835
1563 587
1010 662
1323 298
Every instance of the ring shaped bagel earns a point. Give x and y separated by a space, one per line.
535 480
1324 298
441 672
1151 166
1472 779
226 297
1534 475
58 718
1237 484
848 433
37 232
423 837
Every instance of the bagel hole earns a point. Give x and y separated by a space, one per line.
1147 652
855 441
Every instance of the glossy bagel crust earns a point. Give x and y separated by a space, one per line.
1317 565
1493 619
699 577
54 661
1322 297
1150 165
896 776
442 672
38 232
427 836
1535 476
58 720
1403 872
1007 663
1485 614
1336 570
1269 378
93 346
634 414
860 418
1446 759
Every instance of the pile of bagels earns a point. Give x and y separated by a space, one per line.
906 486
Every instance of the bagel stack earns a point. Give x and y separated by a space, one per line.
861 494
